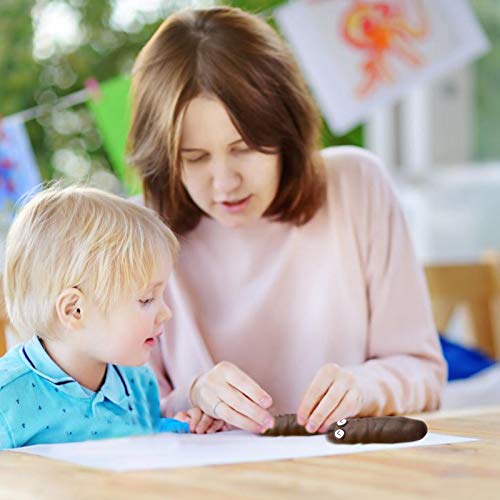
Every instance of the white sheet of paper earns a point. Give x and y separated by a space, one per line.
164 451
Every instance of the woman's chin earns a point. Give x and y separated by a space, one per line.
235 222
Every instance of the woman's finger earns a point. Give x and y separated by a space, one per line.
246 407
207 390
348 407
327 405
233 417
247 386
315 392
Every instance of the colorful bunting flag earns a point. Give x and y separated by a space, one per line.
19 172
111 110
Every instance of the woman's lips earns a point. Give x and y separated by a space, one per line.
237 205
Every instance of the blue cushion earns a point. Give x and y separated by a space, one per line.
463 362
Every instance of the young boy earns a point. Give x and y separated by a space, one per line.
85 274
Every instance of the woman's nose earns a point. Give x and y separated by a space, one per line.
225 179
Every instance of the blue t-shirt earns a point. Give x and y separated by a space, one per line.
40 403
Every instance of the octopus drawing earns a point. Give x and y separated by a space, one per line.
380 29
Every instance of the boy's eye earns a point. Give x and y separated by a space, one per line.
146 302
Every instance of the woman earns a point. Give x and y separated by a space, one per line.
296 288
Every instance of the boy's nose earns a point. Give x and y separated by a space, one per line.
164 314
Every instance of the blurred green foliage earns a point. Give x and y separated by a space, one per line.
25 82
487 83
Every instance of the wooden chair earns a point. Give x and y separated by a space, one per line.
475 286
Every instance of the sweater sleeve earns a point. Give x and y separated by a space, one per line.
405 370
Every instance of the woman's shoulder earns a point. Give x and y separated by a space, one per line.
355 170
352 161
358 183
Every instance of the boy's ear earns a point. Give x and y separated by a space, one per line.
69 308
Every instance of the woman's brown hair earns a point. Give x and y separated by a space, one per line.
239 59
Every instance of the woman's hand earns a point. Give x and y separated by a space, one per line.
225 392
332 395
199 422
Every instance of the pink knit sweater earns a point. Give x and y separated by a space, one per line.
280 301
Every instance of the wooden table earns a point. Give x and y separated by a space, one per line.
467 470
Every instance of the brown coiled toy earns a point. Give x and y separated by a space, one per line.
286 425
356 430
376 430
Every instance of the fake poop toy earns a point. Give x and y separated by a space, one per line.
356 430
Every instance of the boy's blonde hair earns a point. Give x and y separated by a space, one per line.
80 237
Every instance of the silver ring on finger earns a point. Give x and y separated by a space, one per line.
214 411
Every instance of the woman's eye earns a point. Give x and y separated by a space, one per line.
146 302
242 150
195 160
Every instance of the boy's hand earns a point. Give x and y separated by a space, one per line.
199 422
